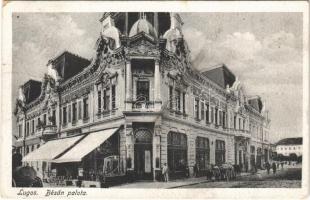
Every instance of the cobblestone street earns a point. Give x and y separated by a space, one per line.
289 177
286 178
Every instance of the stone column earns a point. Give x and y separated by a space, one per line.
157 88
156 150
128 86
129 147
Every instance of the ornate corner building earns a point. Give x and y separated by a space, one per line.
141 103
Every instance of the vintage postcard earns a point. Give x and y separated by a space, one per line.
155 100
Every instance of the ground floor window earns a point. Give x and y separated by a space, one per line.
177 154
202 153
219 152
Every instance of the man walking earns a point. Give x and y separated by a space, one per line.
165 173
268 167
274 167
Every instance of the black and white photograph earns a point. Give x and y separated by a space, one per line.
157 100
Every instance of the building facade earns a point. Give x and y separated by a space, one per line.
289 146
145 101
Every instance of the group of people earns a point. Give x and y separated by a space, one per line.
274 166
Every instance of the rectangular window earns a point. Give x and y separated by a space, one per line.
220 118
105 107
216 116
32 126
202 112
143 90
64 115
184 102
85 108
80 109
69 113
219 152
74 112
171 97
113 97
54 117
20 130
212 115
27 129
207 113
99 101
235 122
197 108
224 119
243 124
178 100
44 119
239 123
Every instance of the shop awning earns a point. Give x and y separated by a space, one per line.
51 149
85 146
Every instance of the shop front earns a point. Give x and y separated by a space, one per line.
177 155
89 160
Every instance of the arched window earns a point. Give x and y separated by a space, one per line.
143 135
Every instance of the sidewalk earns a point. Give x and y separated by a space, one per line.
164 185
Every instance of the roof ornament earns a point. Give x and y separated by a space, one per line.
21 95
52 72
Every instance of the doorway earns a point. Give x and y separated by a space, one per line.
143 154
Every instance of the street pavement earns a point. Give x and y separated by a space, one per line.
289 177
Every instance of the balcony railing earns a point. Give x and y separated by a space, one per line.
49 129
143 106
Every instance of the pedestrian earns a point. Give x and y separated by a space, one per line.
195 170
274 167
282 163
165 172
268 167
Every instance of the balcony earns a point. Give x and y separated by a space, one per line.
241 133
49 130
143 106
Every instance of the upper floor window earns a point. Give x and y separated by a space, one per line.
243 124
32 126
239 124
85 108
184 101
64 115
235 122
27 129
224 119
53 120
113 97
20 130
216 116
69 113
212 114
99 101
207 113
44 119
178 100
143 90
197 108
80 110
74 112
220 118
202 113
106 98
170 97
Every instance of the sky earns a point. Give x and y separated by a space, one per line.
264 50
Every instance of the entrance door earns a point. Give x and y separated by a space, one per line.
143 161
143 153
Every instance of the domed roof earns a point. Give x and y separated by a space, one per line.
173 34
142 25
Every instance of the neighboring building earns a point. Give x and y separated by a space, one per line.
139 103
289 146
